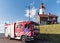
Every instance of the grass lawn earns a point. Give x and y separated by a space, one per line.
50 32
50 29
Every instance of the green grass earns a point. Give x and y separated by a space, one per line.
50 32
50 37
50 29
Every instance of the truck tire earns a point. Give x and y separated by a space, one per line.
38 37
23 38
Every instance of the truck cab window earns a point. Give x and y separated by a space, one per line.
19 26
27 26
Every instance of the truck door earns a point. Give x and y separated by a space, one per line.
28 29
17 29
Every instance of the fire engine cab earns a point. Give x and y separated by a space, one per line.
23 30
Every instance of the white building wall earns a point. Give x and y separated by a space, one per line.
43 22
41 11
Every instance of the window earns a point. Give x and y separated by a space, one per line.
27 26
19 26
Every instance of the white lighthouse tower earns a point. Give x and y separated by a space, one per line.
42 8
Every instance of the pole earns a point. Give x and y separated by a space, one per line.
29 12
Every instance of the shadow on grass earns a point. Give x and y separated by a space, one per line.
50 37
39 41
47 38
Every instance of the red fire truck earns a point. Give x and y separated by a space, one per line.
23 30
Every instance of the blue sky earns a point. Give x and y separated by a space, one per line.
14 10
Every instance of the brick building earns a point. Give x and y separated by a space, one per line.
43 18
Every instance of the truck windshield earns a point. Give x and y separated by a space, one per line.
27 26
35 25
19 26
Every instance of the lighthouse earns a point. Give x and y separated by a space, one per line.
42 8
44 18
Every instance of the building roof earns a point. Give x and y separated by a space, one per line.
47 15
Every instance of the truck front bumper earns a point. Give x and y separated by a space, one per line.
30 38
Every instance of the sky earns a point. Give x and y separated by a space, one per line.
17 10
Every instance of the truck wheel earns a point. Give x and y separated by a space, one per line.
23 38
38 37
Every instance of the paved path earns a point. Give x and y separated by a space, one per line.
5 40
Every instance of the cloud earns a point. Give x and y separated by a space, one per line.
58 1
32 12
32 3
1 25
7 22
1 28
34 19
27 13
